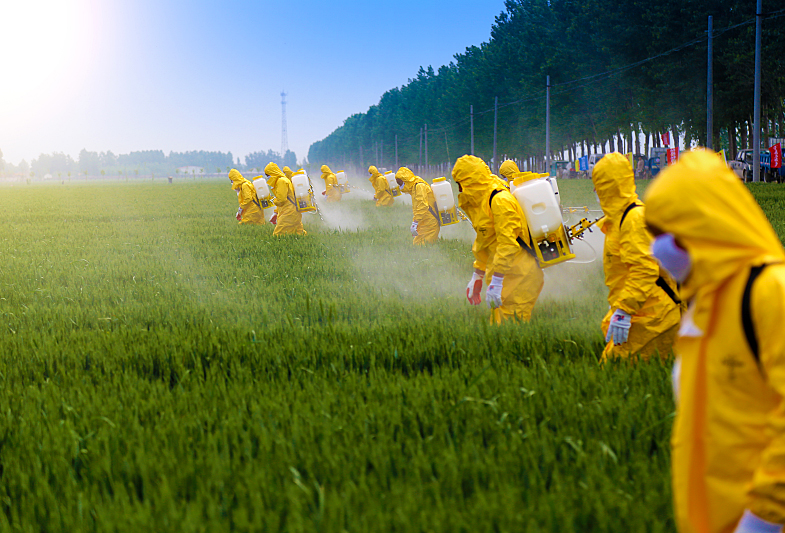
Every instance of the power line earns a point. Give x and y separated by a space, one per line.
569 86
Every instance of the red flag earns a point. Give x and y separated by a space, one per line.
673 155
776 155
666 138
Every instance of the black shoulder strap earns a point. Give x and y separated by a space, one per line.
662 284
528 249
624 215
746 315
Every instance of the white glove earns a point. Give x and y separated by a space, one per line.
474 288
239 215
750 523
494 293
619 327
414 229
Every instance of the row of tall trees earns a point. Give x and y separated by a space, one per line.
621 73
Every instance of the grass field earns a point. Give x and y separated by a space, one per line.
164 369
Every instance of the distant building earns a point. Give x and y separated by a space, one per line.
190 170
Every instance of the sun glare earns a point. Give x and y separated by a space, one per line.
44 46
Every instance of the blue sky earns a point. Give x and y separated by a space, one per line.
131 75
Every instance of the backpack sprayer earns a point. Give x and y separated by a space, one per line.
303 192
395 190
447 212
539 201
343 182
263 192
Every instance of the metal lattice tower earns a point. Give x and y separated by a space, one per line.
284 136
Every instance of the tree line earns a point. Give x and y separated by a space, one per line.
145 162
621 74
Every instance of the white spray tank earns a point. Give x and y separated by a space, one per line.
394 188
445 201
263 192
303 198
555 187
544 218
343 181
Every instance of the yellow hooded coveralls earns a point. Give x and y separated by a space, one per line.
252 213
508 170
381 188
332 192
289 219
424 210
498 224
728 440
631 273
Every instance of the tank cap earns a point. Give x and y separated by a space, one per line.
521 177
436 180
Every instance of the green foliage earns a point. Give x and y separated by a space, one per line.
586 48
165 369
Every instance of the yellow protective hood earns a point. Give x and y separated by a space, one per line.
475 180
288 172
409 179
508 170
374 172
237 179
714 217
326 172
614 182
273 174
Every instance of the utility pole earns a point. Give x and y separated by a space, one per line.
495 164
426 146
548 124
419 162
710 92
396 153
471 121
756 111
284 136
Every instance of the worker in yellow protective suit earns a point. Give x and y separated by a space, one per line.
645 307
502 248
728 439
425 218
383 195
332 191
249 212
508 170
288 172
289 220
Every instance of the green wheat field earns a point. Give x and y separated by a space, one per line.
164 369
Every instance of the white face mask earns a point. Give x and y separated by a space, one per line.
597 196
671 256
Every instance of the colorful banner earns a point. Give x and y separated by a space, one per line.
629 158
721 153
776 155
666 138
673 155
584 162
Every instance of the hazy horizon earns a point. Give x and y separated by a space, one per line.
175 76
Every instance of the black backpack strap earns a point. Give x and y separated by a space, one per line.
662 284
624 215
746 315
528 249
